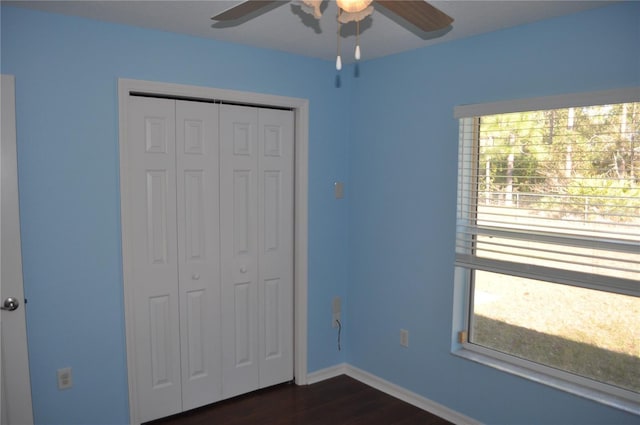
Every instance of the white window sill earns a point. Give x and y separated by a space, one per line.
574 388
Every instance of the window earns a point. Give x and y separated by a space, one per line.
548 238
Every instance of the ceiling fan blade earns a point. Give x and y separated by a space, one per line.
419 13
243 9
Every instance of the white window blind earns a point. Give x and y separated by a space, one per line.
552 194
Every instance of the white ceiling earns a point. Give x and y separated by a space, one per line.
281 28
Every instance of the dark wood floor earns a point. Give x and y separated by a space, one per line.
337 401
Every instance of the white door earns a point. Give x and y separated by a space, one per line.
152 257
16 405
275 246
256 180
173 254
207 251
197 153
239 245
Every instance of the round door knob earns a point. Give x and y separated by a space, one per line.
10 304
243 269
195 276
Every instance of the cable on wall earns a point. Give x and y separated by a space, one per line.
339 332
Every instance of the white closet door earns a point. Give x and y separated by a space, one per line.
275 246
256 247
239 245
198 252
153 263
209 251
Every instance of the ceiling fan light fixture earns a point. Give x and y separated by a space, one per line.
419 13
312 7
346 17
353 6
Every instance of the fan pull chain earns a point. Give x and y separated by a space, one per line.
357 54
338 59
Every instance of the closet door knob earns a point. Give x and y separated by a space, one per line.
10 304
243 269
195 276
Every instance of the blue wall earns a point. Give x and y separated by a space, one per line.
387 248
66 73
403 175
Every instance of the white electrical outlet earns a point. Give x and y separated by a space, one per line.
65 380
336 308
404 337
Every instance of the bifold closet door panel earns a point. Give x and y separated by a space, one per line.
257 247
239 245
275 246
197 158
153 244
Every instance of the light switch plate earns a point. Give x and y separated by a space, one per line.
404 337
338 188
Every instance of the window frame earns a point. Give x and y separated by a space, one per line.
463 286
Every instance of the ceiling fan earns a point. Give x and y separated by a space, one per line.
419 13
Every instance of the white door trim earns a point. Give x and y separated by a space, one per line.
301 110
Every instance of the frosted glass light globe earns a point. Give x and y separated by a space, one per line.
352 6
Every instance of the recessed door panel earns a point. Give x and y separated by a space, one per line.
242 180
243 133
194 216
196 338
156 134
272 204
272 322
194 136
272 140
242 319
160 342
157 216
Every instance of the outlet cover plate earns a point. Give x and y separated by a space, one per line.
404 338
65 379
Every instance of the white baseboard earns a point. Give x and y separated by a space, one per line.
393 390
330 372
